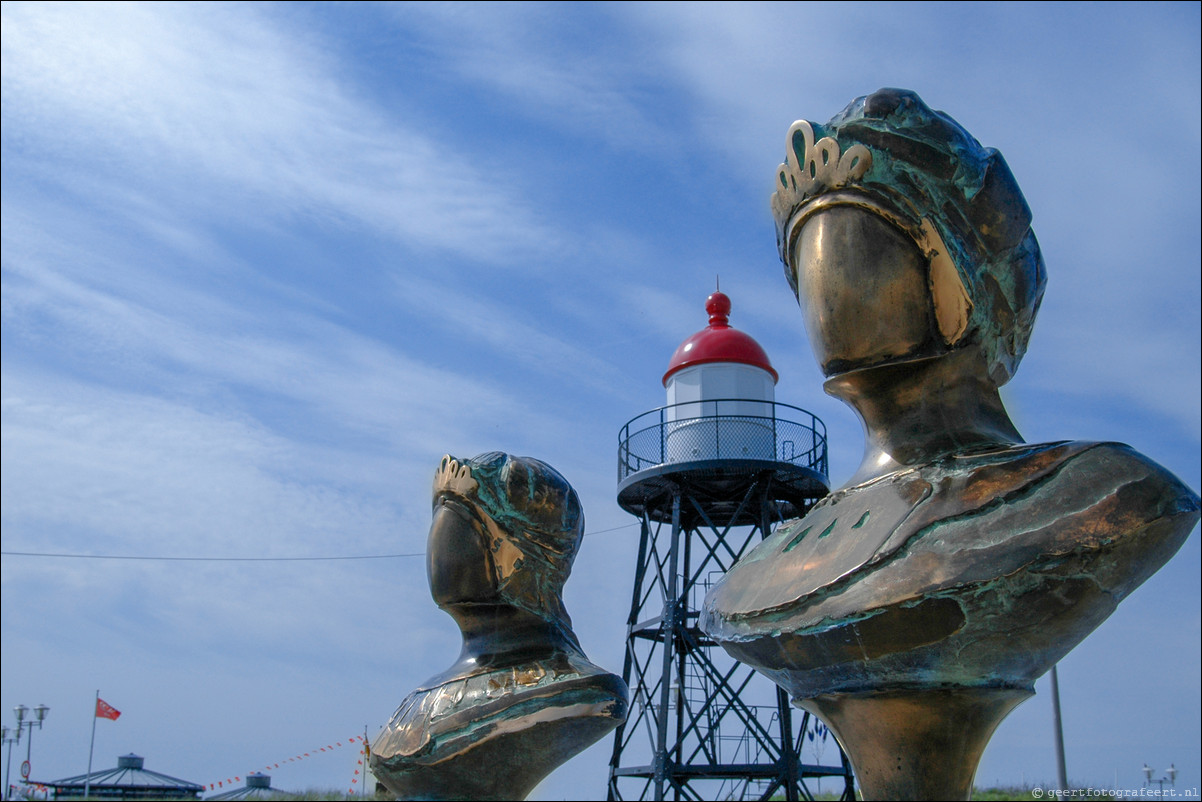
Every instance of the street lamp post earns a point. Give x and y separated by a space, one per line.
10 737
39 715
1170 774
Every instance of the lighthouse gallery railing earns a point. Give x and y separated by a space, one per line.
722 429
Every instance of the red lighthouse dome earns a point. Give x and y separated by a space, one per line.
718 342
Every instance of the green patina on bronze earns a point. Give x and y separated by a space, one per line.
535 510
925 165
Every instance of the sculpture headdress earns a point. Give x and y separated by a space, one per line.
889 153
532 520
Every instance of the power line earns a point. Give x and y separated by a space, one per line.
60 555
611 529
204 559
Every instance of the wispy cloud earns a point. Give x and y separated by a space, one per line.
168 327
110 470
515 338
229 116
551 66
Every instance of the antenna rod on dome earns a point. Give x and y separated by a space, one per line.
717 283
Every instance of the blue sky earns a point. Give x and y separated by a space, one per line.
263 264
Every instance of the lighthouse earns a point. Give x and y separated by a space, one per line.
708 475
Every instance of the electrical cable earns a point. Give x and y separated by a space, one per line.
237 559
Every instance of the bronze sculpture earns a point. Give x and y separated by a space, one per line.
522 697
915 606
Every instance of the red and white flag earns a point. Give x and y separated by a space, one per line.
105 710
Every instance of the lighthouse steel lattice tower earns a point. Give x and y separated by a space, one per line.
708 475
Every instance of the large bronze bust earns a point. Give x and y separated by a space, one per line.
917 604
522 698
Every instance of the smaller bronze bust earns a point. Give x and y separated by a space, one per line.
522 698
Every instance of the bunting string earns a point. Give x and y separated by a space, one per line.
312 753
361 772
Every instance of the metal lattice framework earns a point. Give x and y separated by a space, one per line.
701 724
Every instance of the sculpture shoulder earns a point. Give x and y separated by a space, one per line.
965 518
438 714
1050 487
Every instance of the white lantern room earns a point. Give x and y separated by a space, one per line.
721 389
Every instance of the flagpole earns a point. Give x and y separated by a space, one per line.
366 763
87 783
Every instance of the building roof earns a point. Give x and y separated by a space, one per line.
718 342
258 786
128 781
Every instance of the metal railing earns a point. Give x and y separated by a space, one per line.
722 429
